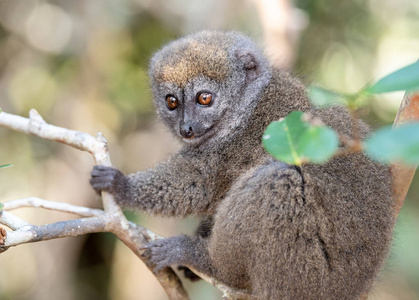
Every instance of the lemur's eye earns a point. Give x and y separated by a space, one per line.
204 98
171 102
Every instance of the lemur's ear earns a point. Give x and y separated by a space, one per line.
249 63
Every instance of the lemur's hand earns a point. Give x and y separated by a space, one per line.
108 179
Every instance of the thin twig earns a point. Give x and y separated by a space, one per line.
228 292
52 205
11 221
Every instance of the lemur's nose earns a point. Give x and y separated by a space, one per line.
186 131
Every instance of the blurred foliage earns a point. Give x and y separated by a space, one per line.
296 141
345 28
391 145
83 65
405 79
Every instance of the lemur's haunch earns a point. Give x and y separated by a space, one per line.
277 230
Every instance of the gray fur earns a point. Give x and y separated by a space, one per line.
280 231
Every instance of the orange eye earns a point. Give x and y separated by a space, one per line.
171 102
204 98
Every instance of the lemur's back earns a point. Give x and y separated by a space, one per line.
310 232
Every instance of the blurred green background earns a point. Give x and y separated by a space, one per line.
83 65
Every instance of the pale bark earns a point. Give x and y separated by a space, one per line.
403 175
111 219
51 205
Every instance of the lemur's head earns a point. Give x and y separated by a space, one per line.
206 83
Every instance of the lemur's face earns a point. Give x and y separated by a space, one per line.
205 84
193 112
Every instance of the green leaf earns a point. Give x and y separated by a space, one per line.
1 207
5 166
405 79
319 143
400 144
296 141
321 97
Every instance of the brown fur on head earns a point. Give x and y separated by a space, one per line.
189 58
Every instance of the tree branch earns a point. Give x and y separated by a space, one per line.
51 205
228 292
111 219
402 174
34 233
12 221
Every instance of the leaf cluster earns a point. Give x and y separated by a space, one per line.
297 139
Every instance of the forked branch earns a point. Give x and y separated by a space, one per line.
111 219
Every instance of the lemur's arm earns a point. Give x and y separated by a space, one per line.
174 188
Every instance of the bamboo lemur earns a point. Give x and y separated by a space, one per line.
279 231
